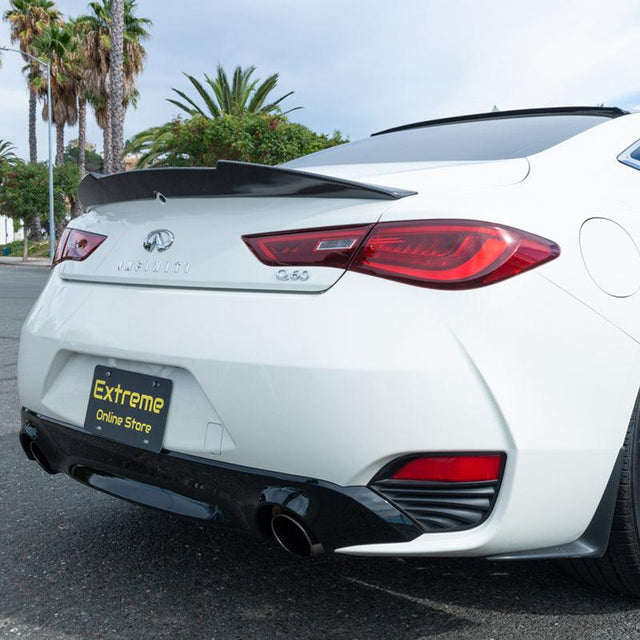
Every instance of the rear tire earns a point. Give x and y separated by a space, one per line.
619 569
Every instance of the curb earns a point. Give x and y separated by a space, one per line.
43 264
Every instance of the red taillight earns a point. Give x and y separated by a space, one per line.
452 468
77 245
440 254
331 247
450 254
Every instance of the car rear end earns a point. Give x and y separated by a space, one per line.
371 369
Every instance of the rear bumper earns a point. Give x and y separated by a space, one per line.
230 496
337 385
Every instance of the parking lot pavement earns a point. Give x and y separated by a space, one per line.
77 564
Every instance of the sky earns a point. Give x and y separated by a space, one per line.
365 65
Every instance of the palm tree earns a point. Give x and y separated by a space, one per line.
27 20
116 85
243 95
151 145
57 45
7 155
81 69
97 39
98 44
100 111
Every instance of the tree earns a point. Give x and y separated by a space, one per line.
8 159
116 85
200 141
27 20
93 160
243 95
66 180
97 37
82 133
57 46
95 28
24 193
81 70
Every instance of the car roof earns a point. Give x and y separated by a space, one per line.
605 112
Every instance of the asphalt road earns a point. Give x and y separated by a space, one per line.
76 564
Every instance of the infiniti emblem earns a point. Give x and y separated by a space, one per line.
159 239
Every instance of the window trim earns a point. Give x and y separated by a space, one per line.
625 156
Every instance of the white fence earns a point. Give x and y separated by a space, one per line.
7 234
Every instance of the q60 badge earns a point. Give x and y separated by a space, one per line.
287 275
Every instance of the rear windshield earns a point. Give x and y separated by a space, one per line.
492 139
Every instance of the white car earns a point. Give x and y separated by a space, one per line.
425 343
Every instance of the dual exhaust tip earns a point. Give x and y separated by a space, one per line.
294 537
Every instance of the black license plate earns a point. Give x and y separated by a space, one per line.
128 407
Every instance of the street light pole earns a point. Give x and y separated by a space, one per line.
52 222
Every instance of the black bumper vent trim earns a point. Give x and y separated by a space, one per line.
440 506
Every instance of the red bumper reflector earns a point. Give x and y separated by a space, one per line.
452 468
77 245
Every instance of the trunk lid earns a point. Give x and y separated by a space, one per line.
208 250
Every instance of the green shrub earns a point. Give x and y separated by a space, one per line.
25 192
200 141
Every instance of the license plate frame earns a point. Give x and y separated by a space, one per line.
128 407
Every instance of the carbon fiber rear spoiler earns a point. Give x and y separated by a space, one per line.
228 178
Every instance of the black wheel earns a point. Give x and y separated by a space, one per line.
619 569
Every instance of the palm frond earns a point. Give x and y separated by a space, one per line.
225 98
191 111
273 106
7 155
243 95
217 93
150 146
208 100
261 93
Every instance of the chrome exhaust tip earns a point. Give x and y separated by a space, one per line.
293 536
